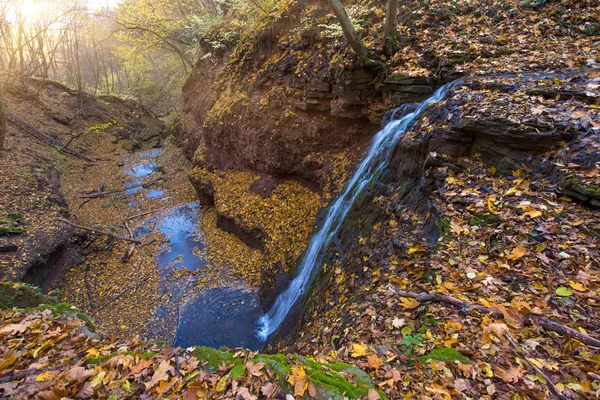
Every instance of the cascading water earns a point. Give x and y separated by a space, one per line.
371 168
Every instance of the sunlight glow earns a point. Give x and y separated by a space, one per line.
36 9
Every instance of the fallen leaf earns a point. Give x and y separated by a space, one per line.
577 286
374 362
564 291
511 375
517 253
43 377
359 350
298 379
160 374
409 303
372 395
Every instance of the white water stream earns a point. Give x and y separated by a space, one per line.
375 162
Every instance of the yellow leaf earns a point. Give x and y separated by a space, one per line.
359 350
46 376
92 353
577 286
517 253
413 250
298 379
222 383
533 214
490 204
409 303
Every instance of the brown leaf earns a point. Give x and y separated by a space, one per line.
78 374
85 392
139 367
512 375
269 390
254 369
373 395
160 374
53 394
374 362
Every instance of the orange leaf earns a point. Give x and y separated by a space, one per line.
517 253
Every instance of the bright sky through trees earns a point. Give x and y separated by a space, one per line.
36 8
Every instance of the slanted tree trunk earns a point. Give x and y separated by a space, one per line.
2 119
390 32
349 32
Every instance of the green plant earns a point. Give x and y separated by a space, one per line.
411 342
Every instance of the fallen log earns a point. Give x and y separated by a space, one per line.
33 131
467 308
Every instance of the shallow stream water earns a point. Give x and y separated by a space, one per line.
205 314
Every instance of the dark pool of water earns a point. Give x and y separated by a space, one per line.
220 317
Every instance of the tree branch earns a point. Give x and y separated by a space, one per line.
467 308
87 228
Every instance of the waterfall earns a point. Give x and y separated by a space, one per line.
375 162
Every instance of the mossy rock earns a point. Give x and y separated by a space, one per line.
485 219
332 380
576 188
22 295
214 357
506 166
444 354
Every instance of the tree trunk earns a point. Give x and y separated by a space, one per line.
349 32
390 32
2 119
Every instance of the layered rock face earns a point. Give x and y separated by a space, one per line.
280 110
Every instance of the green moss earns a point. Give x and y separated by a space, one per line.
215 357
335 383
336 379
444 354
340 366
577 186
12 223
99 359
485 219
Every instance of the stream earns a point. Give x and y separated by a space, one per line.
210 315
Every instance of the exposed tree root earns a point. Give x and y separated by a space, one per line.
467 308
522 354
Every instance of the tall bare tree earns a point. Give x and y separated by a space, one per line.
2 119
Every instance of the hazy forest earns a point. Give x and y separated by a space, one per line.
300 199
